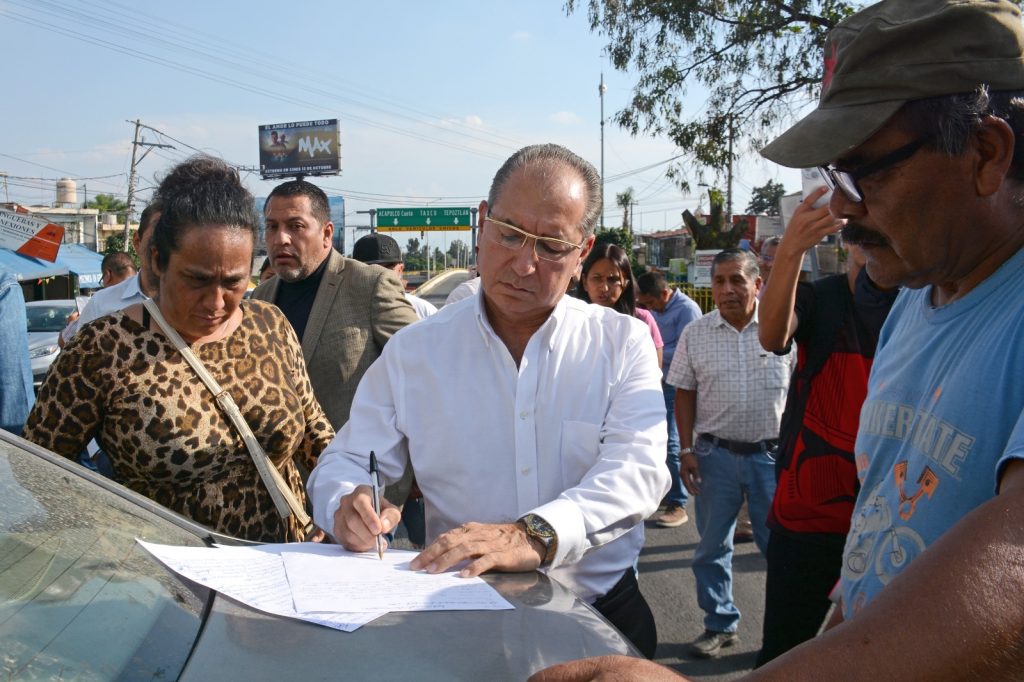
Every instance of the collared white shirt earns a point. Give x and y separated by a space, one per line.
741 387
575 434
423 307
468 288
106 301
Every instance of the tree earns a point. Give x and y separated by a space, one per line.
622 237
625 200
764 200
115 244
414 259
716 233
757 59
458 252
107 203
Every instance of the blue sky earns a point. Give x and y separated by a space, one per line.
431 96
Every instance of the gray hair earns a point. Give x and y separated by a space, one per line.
545 158
952 119
746 258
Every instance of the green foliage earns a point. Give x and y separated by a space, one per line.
625 200
756 58
115 244
623 237
764 200
108 203
415 257
717 233
458 253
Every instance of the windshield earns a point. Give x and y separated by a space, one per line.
78 597
49 318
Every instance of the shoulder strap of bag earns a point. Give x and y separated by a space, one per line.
284 499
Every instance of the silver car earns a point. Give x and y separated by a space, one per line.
46 320
79 599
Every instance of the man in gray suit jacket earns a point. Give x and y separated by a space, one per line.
343 311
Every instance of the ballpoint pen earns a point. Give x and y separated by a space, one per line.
375 486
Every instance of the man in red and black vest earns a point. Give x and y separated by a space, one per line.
835 322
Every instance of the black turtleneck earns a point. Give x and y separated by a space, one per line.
295 299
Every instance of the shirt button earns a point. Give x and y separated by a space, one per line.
525 471
524 415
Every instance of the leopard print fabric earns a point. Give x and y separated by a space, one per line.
129 388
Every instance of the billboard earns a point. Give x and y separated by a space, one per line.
300 148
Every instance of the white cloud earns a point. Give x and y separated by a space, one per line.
564 118
522 36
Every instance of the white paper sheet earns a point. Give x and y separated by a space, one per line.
363 583
254 576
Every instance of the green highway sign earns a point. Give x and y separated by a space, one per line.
420 219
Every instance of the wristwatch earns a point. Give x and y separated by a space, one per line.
539 529
686 451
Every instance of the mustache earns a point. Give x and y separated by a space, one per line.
854 233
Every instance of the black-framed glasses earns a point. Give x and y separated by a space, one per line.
846 181
547 248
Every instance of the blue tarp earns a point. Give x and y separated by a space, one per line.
26 268
83 262
71 258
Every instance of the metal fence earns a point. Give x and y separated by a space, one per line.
701 295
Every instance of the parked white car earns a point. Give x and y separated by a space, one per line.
46 320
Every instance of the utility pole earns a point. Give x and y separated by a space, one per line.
136 160
602 88
472 232
728 194
373 218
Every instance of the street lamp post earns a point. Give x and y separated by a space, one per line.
602 88
373 219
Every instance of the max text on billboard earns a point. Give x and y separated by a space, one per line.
300 148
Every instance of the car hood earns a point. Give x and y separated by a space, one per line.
37 339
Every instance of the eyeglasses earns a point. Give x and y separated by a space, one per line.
546 248
846 181
613 282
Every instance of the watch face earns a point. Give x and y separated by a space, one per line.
538 526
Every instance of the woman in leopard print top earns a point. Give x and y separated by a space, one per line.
123 382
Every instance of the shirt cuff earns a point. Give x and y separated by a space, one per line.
567 520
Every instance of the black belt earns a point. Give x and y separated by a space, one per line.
739 447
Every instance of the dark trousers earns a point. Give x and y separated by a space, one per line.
801 574
625 608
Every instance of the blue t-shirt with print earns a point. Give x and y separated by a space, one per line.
944 412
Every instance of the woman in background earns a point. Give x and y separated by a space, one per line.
607 279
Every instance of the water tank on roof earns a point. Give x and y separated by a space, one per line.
109 219
67 191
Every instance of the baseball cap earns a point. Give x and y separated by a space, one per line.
896 51
378 249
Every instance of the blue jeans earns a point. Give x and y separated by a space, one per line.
677 495
726 479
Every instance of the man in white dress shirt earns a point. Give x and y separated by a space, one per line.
380 249
132 290
535 423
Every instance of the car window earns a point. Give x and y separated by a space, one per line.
48 318
78 597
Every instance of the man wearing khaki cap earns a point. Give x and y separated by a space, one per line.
920 132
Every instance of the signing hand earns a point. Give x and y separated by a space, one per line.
690 473
488 546
356 526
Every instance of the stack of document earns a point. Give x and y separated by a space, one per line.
325 584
